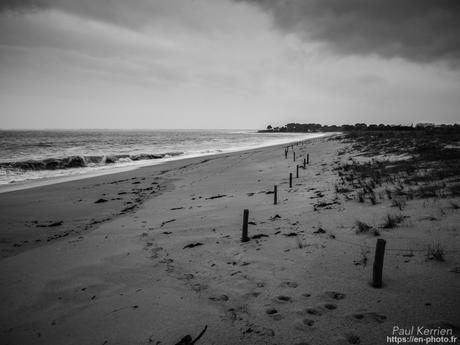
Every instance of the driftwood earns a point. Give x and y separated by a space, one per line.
188 340
166 222
193 245
276 216
320 231
51 225
255 237
216 196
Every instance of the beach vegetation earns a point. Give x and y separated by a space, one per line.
362 227
392 221
401 165
398 203
454 205
435 252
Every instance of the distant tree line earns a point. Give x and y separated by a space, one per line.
315 127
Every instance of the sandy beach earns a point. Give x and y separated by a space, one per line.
151 255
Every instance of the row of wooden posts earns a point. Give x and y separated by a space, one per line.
305 160
244 237
380 246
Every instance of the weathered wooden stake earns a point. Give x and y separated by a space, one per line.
290 180
308 158
244 237
275 196
378 263
297 171
294 155
304 163
285 153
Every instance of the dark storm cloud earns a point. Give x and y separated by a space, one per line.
417 30
22 5
14 4
132 14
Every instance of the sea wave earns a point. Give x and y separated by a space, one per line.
49 155
82 161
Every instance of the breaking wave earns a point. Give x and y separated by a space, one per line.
82 161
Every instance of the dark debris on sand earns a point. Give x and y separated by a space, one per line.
188 340
193 245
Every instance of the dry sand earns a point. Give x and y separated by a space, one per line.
162 257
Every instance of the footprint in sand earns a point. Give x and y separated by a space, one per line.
261 331
352 339
313 311
197 287
334 295
253 294
289 284
231 314
273 313
221 298
369 317
345 339
305 325
330 306
283 299
308 322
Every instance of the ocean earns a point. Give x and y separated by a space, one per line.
31 156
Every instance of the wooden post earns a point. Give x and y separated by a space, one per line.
294 155
275 196
297 171
290 180
285 153
308 158
244 237
304 163
378 263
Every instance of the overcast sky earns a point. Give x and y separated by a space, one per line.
227 63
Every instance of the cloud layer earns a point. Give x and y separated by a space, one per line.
418 30
221 64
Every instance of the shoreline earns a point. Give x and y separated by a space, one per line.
34 183
175 263
76 213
